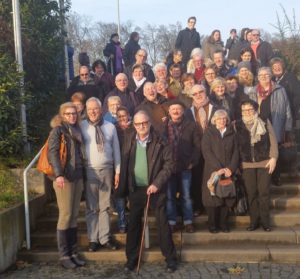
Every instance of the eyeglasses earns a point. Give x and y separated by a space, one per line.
210 74
198 93
70 113
84 75
248 110
141 124
264 75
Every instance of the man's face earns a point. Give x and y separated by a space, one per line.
84 74
93 111
175 73
191 23
176 112
150 92
99 69
232 85
121 82
277 69
255 35
142 125
218 59
140 57
113 106
199 96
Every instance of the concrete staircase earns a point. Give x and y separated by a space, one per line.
282 244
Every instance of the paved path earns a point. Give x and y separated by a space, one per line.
157 271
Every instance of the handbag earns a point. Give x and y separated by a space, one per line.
225 188
43 164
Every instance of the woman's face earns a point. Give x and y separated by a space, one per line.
277 69
243 73
210 75
216 36
264 77
247 111
219 90
221 122
188 84
113 106
123 118
99 69
246 56
138 74
70 116
178 57
160 87
79 106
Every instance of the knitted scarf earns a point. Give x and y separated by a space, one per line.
256 127
262 93
99 134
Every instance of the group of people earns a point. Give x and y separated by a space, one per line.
179 132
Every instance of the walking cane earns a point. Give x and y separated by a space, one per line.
143 235
112 66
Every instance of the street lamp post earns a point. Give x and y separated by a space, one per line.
118 4
19 59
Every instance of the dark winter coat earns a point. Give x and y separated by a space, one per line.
186 41
157 112
110 49
90 89
218 153
73 170
130 50
264 53
189 146
159 158
259 152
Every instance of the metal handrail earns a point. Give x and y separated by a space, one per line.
26 200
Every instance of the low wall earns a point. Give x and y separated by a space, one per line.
13 231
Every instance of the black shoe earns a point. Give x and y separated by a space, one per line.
171 267
129 266
76 260
93 246
213 230
252 228
267 229
110 244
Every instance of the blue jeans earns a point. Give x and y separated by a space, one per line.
182 179
120 207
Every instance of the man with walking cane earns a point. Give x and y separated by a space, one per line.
146 167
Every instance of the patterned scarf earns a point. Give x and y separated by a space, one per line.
256 128
99 134
200 113
262 93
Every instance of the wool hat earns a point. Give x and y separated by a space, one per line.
175 102
244 64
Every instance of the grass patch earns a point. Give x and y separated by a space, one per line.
10 192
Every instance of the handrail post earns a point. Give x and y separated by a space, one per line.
26 200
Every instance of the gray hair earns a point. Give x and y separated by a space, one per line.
267 69
141 112
196 52
94 99
114 98
217 114
198 87
159 65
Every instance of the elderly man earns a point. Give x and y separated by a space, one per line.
140 59
84 83
146 166
184 138
128 99
156 107
102 161
188 39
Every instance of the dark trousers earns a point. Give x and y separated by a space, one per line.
217 217
257 183
196 187
137 201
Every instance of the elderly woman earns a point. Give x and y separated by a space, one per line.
137 80
220 154
68 181
161 86
258 152
219 96
273 105
196 65
160 71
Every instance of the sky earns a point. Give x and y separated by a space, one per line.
222 15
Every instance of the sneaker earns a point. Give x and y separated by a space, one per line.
111 244
93 246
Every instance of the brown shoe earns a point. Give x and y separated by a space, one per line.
189 228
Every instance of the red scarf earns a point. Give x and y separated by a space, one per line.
262 93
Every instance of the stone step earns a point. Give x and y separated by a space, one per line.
230 252
292 188
279 218
285 202
200 237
